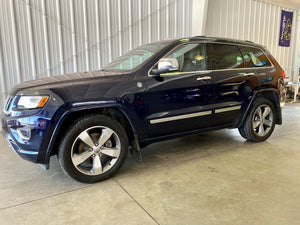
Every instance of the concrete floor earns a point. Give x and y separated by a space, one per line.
212 178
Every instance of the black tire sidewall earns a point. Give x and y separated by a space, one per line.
64 154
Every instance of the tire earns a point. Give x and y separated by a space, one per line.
260 121
93 149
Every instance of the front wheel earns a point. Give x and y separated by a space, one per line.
260 122
93 149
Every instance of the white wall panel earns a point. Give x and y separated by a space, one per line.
40 38
251 20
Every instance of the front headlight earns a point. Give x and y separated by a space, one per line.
32 102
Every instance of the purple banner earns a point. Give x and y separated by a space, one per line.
285 28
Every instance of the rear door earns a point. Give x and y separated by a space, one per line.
233 82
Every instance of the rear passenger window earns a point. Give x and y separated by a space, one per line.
227 56
254 57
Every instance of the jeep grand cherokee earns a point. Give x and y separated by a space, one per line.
155 92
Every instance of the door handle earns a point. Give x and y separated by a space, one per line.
249 74
204 78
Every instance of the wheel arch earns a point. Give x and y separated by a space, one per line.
272 95
68 118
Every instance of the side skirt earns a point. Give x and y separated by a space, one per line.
148 141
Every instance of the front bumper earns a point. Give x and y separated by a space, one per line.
26 144
25 154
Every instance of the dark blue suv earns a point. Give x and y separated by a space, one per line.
155 92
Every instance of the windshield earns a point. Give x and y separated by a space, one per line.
135 57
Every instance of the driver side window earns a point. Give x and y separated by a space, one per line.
191 57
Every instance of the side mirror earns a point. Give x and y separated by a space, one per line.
166 65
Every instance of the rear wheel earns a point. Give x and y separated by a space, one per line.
93 149
260 122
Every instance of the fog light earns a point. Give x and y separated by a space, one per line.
24 132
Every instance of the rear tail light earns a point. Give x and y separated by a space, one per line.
283 74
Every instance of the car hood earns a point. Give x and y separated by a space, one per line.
67 80
78 86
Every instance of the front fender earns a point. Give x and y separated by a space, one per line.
62 115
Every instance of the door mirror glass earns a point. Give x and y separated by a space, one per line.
166 65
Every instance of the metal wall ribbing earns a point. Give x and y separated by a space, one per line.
40 38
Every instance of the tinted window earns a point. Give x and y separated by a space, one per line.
254 57
191 57
227 56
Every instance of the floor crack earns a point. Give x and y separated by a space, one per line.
137 202
42 198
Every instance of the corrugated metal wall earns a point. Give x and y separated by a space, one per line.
40 38
251 20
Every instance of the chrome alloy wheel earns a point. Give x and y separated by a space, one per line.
262 120
95 150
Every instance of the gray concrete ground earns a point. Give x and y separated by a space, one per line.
212 178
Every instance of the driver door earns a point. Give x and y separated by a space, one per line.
181 101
